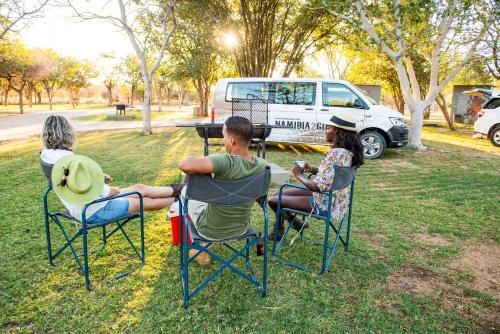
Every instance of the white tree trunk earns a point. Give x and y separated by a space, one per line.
417 122
146 107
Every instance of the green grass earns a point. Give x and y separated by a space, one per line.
450 191
155 116
13 109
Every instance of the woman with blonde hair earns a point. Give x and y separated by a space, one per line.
59 141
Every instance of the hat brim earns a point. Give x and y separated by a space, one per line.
97 180
330 123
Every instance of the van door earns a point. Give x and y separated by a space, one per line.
293 104
336 97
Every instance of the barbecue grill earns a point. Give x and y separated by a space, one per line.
254 110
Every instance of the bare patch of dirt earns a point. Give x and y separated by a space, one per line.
429 239
419 281
403 163
423 282
376 242
483 260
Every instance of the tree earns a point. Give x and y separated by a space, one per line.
164 82
133 75
76 76
195 52
15 64
490 50
270 32
110 73
436 29
146 23
52 73
15 12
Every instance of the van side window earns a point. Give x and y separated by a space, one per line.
247 91
492 104
296 93
338 95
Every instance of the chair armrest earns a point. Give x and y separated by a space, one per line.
293 185
110 198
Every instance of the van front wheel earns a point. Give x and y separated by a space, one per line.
373 144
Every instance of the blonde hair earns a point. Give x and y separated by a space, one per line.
58 134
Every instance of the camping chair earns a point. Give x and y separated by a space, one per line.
223 192
344 176
84 228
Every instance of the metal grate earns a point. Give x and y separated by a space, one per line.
254 110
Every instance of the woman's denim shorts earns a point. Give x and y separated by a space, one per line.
113 209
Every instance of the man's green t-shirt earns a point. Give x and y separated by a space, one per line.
224 222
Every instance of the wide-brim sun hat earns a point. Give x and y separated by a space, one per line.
77 179
344 121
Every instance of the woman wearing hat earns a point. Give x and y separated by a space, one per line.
78 180
346 151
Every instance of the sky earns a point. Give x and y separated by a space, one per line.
59 30
69 37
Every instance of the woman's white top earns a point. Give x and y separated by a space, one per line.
50 156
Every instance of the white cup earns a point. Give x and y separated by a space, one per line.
301 163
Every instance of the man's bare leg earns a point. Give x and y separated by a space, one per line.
149 191
149 204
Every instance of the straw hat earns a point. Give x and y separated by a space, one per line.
344 121
77 179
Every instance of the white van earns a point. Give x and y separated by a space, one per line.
305 105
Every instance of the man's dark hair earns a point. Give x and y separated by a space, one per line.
240 127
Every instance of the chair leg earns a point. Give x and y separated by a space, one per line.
264 275
325 245
348 233
47 234
104 235
185 278
85 259
143 249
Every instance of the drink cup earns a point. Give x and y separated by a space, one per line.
301 163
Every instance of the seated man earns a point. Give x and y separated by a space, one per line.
218 222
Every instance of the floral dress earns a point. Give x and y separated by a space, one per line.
324 180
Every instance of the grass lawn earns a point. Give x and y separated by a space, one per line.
155 116
424 254
14 109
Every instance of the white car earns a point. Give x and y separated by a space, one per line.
488 122
304 106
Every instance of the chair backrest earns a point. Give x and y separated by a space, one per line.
343 177
228 192
47 170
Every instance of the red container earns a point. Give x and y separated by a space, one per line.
174 222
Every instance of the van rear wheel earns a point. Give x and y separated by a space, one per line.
373 144
495 136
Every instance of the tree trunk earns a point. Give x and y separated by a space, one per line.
6 96
49 95
417 122
21 101
146 107
30 95
168 96
110 95
441 102
180 97
38 97
159 98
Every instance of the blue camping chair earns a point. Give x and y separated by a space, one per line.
85 227
344 176
223 192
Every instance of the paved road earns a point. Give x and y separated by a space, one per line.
24 126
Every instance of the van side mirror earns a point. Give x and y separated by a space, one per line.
358 104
